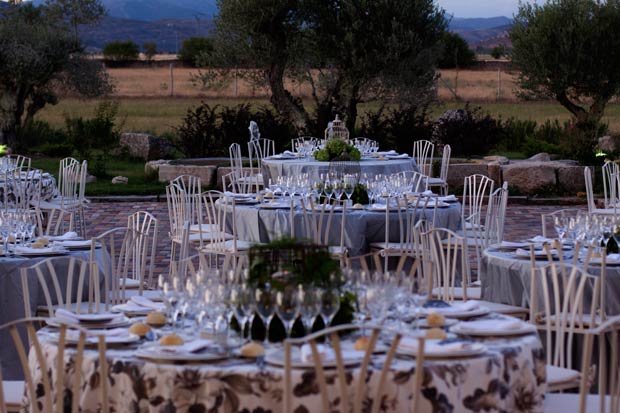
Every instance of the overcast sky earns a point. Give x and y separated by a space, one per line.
480 8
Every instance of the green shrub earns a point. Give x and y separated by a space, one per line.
121 51
468 131
54 150
192 48
532 146
397 128
515 132
36 134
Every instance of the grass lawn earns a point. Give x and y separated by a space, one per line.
139 183
160 115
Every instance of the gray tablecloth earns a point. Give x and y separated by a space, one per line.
508 377
272 168
507 279
12 300
256 224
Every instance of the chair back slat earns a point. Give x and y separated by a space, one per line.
423 155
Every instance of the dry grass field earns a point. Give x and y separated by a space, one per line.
146 104
469 85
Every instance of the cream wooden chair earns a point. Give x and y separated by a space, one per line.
442 180
318 219
258 150
611 184
449 270
476 189
241 175
221 242
423 155
15 161
592 208
127 257
564 303
364 399
608 399
57 392
367 262
65 282
22 189
69 202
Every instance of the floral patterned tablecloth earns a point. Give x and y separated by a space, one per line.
47 181
509 377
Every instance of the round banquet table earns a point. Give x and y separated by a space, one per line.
506 279
48 186
12 298
273 168
508 376
261 223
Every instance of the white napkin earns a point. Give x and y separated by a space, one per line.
613 257
396 156
510 244
147 303
73 243
112 332
469 305
325 353
66 236
540 238
187 348
288 153
20 249
71 317
448 198
410 345
538 253
486 325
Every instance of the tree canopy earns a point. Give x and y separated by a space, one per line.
40 58
456 52
349 51
121 51
569 50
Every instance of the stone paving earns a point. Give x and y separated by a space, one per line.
521 222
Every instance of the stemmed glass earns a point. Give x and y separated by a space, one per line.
242 302
265 307
330 304
309 306
287 307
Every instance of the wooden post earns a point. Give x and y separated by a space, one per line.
171 79
236 84
499 83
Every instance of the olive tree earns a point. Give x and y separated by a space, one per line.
349 51
569 50
40 60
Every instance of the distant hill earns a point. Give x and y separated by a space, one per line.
461 24
167 34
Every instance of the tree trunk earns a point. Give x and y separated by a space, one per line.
283 101
584 118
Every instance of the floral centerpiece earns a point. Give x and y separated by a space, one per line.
287 263
336 149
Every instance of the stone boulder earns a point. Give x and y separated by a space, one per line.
145 146
530 177
609 144
458 172
120 180
91 179
152 167
540 157
502 160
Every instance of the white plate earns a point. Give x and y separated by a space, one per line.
599 261
282 157
435 351
72 339
40 252
381 207
276 205
538 254
155 354
118 322
132 309
349 358
74 244
458 313
524 328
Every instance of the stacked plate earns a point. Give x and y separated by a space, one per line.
89 320
441 348
493 327
199 350
466 309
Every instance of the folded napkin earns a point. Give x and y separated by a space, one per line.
325 353
396 156
537 253
448 198
540 238
67 316
187 348
469 305
146 303
20 249
433 347
113 332
510 244
289 153
66 236
73 243
492 325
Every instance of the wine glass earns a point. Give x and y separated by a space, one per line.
309 306
287 307
330 304
243 305
265 307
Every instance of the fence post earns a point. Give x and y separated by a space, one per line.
499 83
171 79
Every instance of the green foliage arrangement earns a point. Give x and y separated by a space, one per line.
337 149
121 51
360 195
289 263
